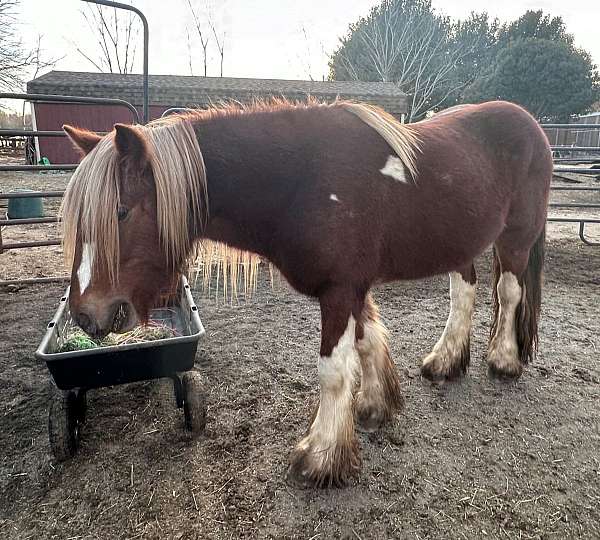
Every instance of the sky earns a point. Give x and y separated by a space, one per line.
264 38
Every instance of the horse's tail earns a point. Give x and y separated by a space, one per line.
528 311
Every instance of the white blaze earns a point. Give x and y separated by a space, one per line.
334 197
84 273
395 168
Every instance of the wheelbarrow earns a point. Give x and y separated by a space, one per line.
76 372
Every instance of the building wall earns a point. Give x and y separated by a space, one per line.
52 116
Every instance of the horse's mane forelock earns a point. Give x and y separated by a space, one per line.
90 203
89 207
401 138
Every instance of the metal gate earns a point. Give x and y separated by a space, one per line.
561 164
9 222
32 134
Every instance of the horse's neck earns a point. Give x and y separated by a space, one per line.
249 168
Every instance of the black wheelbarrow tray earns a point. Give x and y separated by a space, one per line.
76 372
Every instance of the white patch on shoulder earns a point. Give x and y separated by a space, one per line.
395 168
84 273
334 197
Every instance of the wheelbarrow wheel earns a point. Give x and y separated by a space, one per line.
67 410
194 402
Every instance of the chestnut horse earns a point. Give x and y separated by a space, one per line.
338 197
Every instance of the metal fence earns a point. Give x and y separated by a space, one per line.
9 222
33 134
585 155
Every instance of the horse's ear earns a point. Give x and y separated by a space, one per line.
130 143
85 141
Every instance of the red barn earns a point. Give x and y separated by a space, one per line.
166 91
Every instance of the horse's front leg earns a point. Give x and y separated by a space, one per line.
329 454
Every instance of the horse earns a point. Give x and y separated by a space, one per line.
338 197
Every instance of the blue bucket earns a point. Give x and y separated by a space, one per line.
25 207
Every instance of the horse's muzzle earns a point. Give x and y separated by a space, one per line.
121 318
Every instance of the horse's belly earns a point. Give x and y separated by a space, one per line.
437 248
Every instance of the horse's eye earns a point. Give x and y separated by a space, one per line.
122 212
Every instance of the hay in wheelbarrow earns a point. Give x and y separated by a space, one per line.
77 340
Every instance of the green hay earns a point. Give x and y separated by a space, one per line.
77 340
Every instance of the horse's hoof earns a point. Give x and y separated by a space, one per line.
371 416
503 367
505 373
438 368
331 467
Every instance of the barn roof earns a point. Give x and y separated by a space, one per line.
186 91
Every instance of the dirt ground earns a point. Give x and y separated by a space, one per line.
472 459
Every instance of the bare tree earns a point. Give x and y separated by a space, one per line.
305 57
115 32
16 61
189 48
405 43
205 24
219 40
202 35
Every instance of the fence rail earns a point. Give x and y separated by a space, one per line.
572 127
8 222
51 98
580 219
34 133
565 148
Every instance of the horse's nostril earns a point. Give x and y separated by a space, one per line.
85 323
82 320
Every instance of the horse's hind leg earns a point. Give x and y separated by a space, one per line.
329 453
379 396
450 356
517 299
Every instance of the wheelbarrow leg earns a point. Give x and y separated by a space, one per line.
178 390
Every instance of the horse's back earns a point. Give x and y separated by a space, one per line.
496 122
482 168
496 139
